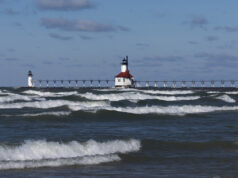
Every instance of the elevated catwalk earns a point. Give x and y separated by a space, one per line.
138 84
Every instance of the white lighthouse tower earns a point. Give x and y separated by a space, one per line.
124 79
30 79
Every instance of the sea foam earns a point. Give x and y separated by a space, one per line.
135 96
10 97
226 98
162 92
87 105
168 92
41 153
169 110
50 94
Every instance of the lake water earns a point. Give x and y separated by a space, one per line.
118 133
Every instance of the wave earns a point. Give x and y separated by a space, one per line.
90 160
167 110
116 89
167 92
232 92
16 97
226 98
225 92
189 145
135 96
41 153
87 105
49 94
53 113
162 92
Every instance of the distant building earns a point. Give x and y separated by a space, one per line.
124 79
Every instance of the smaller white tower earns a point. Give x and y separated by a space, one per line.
30 79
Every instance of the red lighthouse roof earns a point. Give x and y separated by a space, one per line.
125 74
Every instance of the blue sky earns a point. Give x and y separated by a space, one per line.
87 39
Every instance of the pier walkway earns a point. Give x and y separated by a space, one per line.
138 84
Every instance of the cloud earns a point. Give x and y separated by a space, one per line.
64 5
18 24
197 22
60 37
220 60
11 50
31 66
193 42
10 11
211 38
226 28
156 61
11 59
47 63
228 45
83 37
164 58
122 28
77 25
142 44
64 58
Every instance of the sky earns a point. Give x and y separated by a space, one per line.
87 39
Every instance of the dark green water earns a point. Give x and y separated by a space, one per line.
118 133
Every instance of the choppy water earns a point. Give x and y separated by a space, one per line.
118 133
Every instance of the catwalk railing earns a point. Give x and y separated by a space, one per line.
139 84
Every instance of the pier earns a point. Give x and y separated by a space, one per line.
74 83
106 83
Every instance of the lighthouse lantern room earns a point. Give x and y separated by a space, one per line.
124 79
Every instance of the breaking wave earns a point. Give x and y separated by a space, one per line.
40 153
226 92
135 96
50 94
52 113
167 92
162 92
16 97
170 110
226 98
87 105
232 92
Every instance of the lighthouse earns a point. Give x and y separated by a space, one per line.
124 79
30 79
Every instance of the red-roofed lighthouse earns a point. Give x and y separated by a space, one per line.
124 79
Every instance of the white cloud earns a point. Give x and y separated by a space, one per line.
64 4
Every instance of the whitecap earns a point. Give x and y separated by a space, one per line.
135 96
52 113
41 153
87 105
50 94
232 92
168 92
167 110
226 98
16 97
161 92
226 92
88 160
